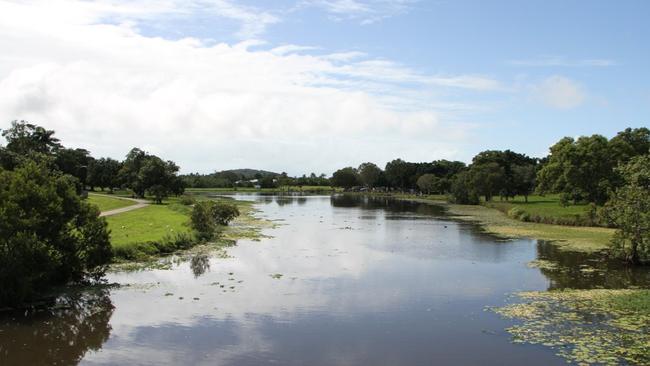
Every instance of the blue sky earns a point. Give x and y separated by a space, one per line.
313 85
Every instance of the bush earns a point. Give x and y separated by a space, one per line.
48 235
187 200
207 216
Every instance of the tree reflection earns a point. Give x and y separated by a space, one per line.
61 334
200 264
586 271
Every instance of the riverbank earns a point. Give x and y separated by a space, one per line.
152 231
585 239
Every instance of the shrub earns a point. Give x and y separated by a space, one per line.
187 200
206 217
48 235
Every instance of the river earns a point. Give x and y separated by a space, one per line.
341 281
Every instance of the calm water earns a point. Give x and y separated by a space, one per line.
343 281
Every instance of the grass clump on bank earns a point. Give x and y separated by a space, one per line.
585 326
107 203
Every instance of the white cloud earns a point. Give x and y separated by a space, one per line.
557 61
560 92
108 88
364 11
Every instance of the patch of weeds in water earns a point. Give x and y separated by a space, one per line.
585 326
276 276
544 264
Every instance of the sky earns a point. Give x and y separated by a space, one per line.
303 86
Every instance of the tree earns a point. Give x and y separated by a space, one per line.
74 162
630 143
462 190
401 174
429 183
487 179
523 179
629 211
145 173
346 178
507 160
48 235
24 138
104 173
369 174
581 169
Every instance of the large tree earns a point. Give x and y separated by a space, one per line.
369 174
346 178
48 235
487 179
145 173
629 211
581 169
401 174
104 173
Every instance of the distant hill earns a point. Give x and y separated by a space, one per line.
249 173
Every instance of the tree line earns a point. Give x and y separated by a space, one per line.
611 174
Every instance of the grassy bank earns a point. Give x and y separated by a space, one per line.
162 229
545 210
608 327
106 203
581 239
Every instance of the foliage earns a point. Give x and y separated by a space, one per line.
145 173
48 235
429 183
346 178
629 211
24 139
511 181
463 191
187 200
487 179
207 216
104 173
369 174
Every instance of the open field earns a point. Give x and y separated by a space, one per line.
107 203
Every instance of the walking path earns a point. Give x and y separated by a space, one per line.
140 203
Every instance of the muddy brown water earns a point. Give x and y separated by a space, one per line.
343 281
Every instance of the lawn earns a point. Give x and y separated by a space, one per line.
544 209
106 203
148 224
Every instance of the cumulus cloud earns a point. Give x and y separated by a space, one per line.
105 86
560 92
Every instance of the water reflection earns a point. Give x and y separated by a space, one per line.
200 263
60 334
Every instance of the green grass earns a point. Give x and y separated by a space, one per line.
138 230
544 209
106 203
572 238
